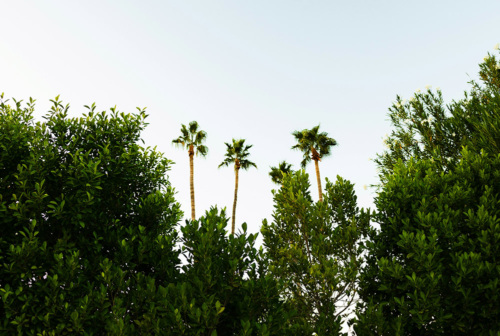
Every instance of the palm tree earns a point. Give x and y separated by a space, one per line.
277 173
192 139
237 153
314 145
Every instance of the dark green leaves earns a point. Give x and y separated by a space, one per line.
88 221
432 268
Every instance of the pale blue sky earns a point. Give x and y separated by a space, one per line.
247 69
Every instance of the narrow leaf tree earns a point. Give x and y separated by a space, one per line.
192 139
277 173
237 153
314 145
315 250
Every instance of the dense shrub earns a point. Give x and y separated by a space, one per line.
433 267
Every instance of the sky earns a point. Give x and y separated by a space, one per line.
256 70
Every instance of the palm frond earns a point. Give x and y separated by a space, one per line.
202 150
247 164
277 173
179 142
200 137
193 127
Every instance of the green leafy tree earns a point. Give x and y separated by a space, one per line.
314 249
87 217
432 268
277 173
423 127
88 244
192 139
237 154
314 145
226 287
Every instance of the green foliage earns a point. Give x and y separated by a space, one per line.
226 287
87 221
424 128
89 244
314 250
432 268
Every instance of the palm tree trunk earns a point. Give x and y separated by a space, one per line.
191 181
319 181
236 170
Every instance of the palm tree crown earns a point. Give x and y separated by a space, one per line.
192 139
313 144
237 153
277 173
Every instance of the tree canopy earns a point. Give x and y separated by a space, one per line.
432 267
88 219
92 240
315 249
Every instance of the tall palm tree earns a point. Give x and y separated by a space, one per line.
314 145
277 173
192 139
237 153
